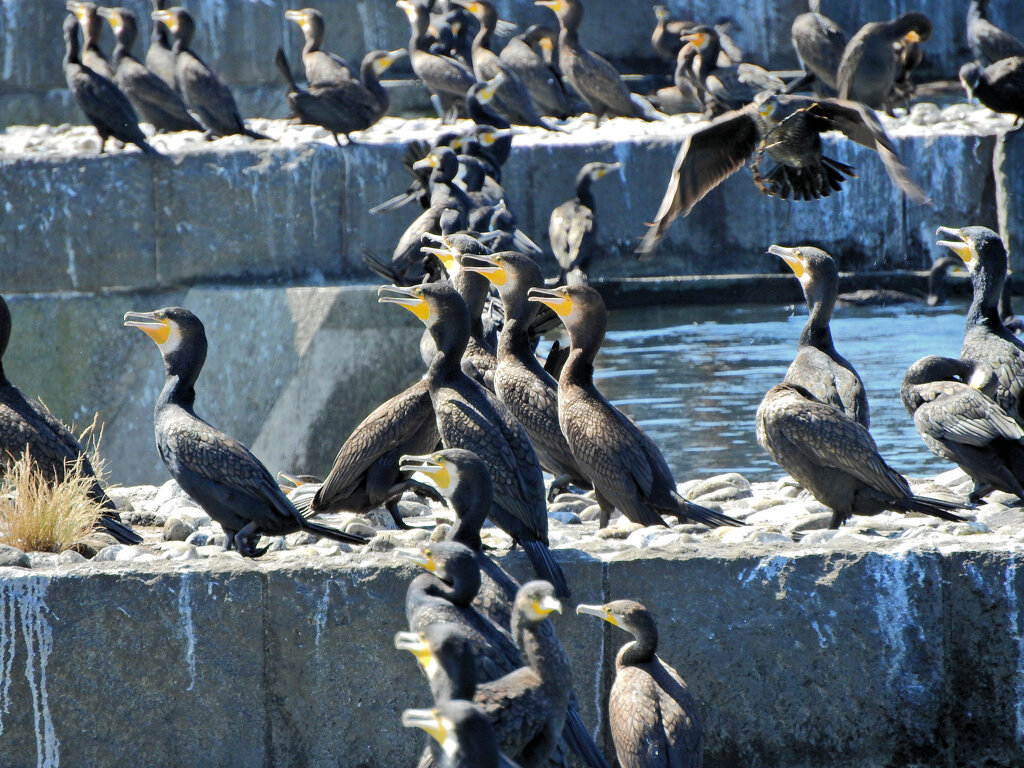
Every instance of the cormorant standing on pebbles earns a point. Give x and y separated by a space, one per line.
988 42
27 427
572 227
870 63
469 417
322 67
999 86
652 715
788 129
623 464
818 367
207 98
986 339
950 402
835 458
218 472
158 104
104 105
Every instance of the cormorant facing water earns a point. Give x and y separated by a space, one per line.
835 458
652 715
104 105
956 417
469 417
572 228
207 98
818 367
624 465
986 339
27 427
149 94
219 473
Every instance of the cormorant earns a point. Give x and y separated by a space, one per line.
665 36
470 417
463 732
542 82
572 228
835 458
322 67
819 44
159 56
158 104
623 464
520 380
366 471
208 99
882 297
988 42
986 339
999 86
345 106
652 715
818 367
217 471
89 20
104 105
870 63
27 427
597 81
788 129
950 402
446 78
726 87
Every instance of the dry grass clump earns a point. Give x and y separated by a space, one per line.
37 515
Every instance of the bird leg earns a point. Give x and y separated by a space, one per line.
245 541
391 505
395 492
559 485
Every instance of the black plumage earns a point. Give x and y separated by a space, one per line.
956 417
986 340
151 97
572 227
89 20
323 68
159 56
835 458
989 43
446 78
652 715
542 81
999 86
218 472
819 43
623 464
665 35
870 64
470 417
208 99
788 130
818 367
729 86
463 733
28 427
104 105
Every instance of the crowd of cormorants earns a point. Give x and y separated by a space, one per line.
489 417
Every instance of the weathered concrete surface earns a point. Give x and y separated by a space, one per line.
238 40
851 659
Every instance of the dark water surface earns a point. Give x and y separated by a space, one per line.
693 377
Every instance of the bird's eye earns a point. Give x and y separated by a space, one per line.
497 259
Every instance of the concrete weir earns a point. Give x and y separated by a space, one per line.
850 658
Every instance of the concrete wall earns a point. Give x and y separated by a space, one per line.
238 39
851 659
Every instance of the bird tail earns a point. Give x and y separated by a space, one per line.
328 532
934 507
545 565
381 269
118 530
281 62
247 131
394 203
699 514
580 741
148 149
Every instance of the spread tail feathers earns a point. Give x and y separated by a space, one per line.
545 565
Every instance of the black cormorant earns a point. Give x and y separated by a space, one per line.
104 105
623 464
819 44
950 402
28 427
541 80
731 86
870 63
159 104
218 472
572 227
652 715
208 99
818 367
882 297
345 106
89 20
988 42
446 78
986 339
159 56
463 732
787 129
835 458
665 36
597 81
999 86
322 67
470 417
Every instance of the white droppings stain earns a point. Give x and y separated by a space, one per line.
1013 620
897 616
186 628
767 570
320 617
22 605
824 633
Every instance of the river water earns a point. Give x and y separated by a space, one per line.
693 377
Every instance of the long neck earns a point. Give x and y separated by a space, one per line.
447 363
3 377
456 593
985 303
470 514
539 652
816 332
514 340
177 391
371 81
568 35
583 193
482 41
640 651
